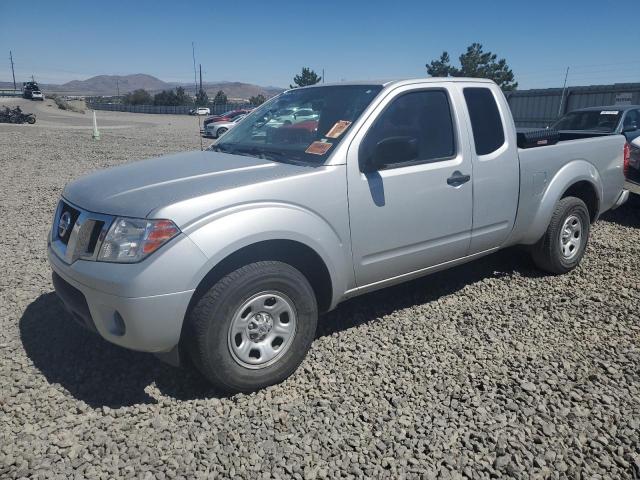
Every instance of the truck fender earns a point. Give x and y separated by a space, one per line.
575 171
232 229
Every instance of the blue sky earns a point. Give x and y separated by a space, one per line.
267 42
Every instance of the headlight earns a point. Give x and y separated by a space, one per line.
130 240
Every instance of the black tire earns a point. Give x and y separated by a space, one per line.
211 318
31 120
221 131
548 252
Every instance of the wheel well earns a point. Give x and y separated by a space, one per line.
586 192
294 253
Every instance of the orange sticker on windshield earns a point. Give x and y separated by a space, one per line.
318 148
338 128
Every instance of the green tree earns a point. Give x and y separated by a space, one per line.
306 77
220 98
440 67
475 63
138 97
166 97
257 100
202 98
182 97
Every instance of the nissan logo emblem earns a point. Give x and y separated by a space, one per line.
64 224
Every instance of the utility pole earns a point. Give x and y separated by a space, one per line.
117 89
564 88
12 71
323 75
200 76
195 81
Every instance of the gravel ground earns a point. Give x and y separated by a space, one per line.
486 370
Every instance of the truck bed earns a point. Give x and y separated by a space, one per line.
542 170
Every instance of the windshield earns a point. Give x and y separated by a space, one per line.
299 126
594 120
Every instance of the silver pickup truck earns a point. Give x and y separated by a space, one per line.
226 257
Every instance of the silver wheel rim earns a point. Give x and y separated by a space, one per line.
571 237
262 329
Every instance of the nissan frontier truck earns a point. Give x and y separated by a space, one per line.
225 258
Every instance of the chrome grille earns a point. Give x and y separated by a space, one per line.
86 237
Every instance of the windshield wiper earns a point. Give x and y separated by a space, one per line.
264 154
272 155
218 148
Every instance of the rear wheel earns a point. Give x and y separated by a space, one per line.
562 246
253 327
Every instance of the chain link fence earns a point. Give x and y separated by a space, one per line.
162 109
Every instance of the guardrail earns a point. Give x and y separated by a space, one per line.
10 93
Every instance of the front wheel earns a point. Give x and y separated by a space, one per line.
221 131
31 119
253 327
562 247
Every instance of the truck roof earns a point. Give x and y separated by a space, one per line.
408 81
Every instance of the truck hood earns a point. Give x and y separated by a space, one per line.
137 189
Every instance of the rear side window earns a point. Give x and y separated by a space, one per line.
488 132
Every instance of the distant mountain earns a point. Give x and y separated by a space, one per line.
111 84
237 89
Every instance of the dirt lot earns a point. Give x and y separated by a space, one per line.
489 369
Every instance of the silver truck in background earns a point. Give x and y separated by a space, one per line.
227 256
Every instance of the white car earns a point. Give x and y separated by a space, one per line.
290 116
216 129
200 111
37 95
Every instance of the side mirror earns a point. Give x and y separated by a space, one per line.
390 151
630 128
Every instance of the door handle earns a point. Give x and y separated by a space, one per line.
458 179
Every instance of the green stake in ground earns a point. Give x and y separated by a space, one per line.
96 133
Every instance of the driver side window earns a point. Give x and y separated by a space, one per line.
416 127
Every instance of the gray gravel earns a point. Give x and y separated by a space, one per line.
486 370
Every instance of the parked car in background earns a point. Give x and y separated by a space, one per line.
229 255
37 95
215 129
608 120
633 173
289 116
200 111
226 117
28 88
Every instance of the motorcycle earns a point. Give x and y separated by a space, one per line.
16 116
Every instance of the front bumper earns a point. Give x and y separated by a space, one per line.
127 304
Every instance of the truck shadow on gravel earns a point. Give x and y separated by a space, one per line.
101 374
93 370
628 215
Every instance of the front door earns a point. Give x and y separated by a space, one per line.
415 211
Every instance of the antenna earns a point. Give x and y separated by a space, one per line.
564 88
12 71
